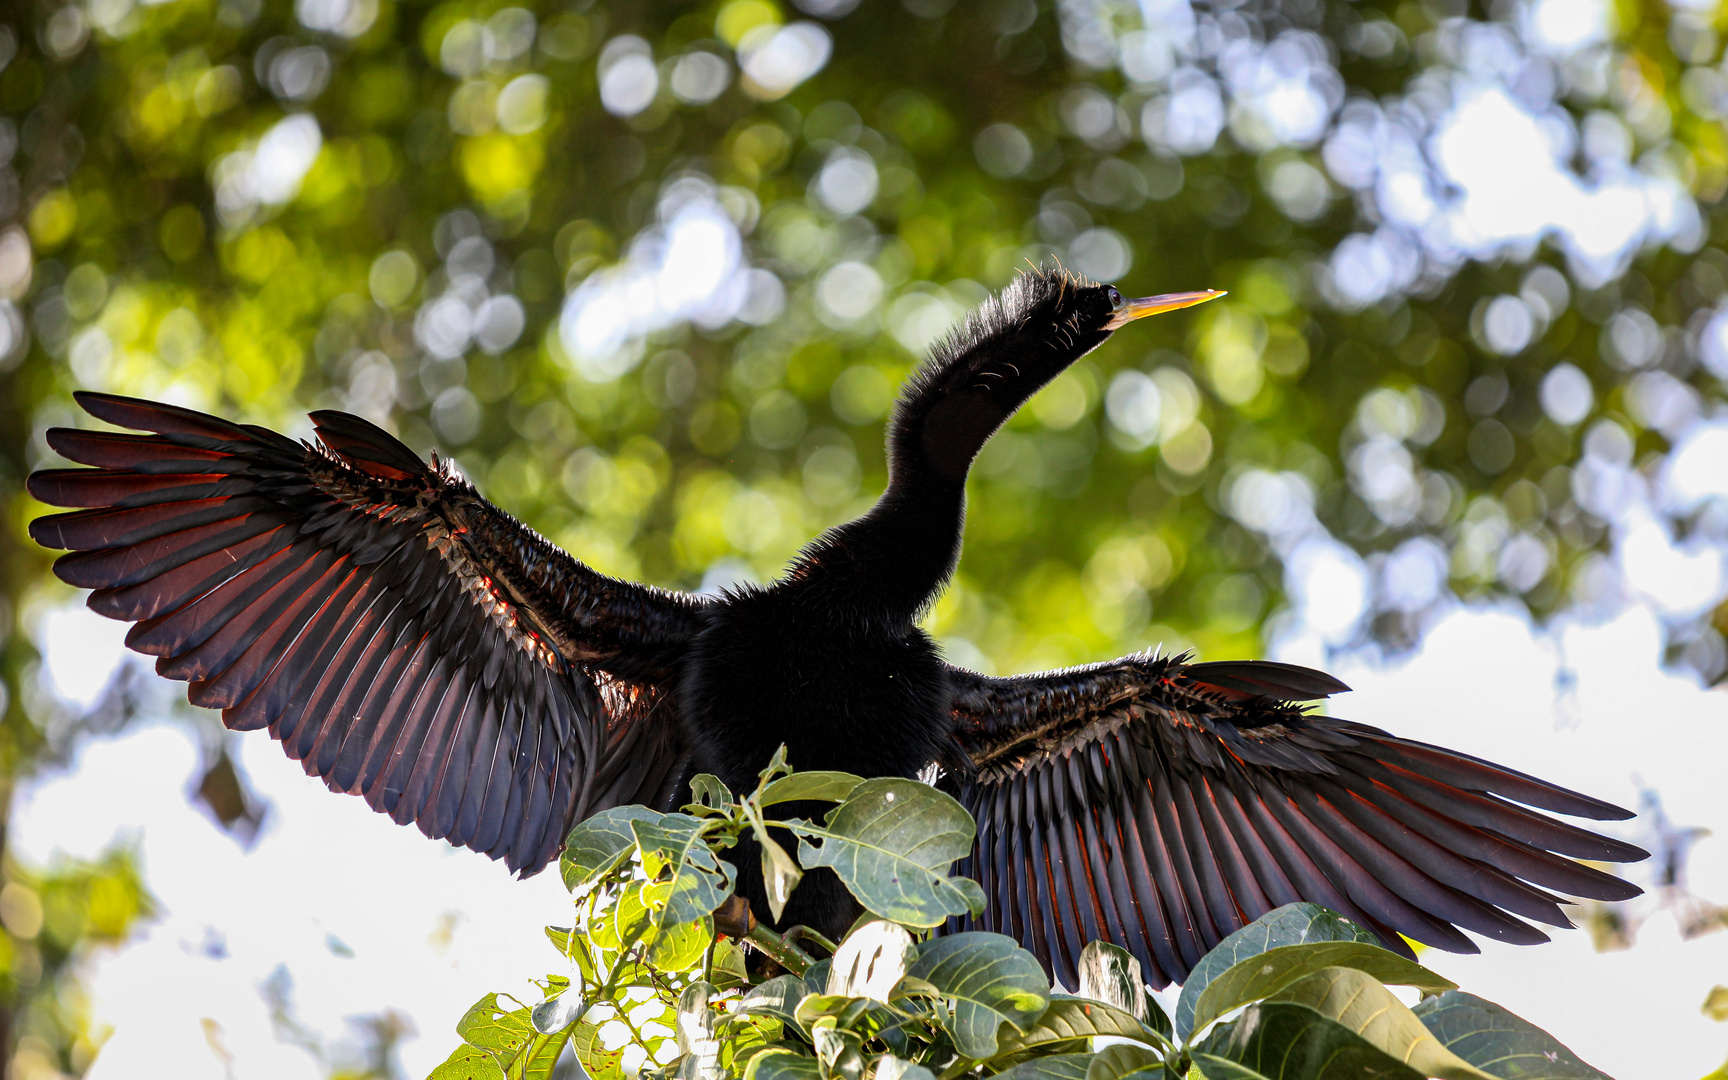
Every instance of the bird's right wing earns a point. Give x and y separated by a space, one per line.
405 639
1161 805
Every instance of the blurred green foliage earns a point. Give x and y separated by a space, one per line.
54 919
261 207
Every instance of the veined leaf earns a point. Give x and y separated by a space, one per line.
1292 924
682 946
729 970
1285 1041
1068 1019
1212 1067
1359 1002
782 1064
540 1057
674 854
889 1067
1264 974
708 794
1049 1067
1109 973
780 872
600 843
627 920
597 1061
744 1034
468 1063
817 785
1499 1042
777 997
990 979
1122 1060
892 842
492 1027
556 1014
696 1041
871 961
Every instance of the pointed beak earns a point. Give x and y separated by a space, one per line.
1158 305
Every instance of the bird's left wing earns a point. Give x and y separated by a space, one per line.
404 638
1161 805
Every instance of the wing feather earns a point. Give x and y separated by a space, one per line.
1162 805
402 638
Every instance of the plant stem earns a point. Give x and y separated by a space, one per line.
804 933
781 951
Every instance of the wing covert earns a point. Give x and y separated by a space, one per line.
1161 805
399 635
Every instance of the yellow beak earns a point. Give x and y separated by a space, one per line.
1158 305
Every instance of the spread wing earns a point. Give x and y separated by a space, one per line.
1161 805
405 639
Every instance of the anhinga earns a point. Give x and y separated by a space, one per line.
414 645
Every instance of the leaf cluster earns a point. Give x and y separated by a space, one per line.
654 990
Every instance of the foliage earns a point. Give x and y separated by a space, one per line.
652 989
54 919
404 209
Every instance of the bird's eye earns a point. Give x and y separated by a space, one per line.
1115 297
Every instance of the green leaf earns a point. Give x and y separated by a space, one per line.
1292 924
708 795
742 1034
625 921
597 1061
1267 973
780 872
1049 1067
541 1057
1068 1019
491 1027
816 976
777 766
600 843
1159 1020
556 1014
778 996
814 785
696 1036
1109 973
871 961
892 842
469 1063
1716 1003
1123 1060
1499 1042
681 947
1359 1002
729 969
1212 1067
782 1064
674 854
1285 1041
846 1011
990 979
889 1067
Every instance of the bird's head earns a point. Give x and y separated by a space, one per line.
1006 351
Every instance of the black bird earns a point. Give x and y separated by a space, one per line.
414 645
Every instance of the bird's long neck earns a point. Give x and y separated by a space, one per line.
895 559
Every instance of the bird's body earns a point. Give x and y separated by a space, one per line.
413 644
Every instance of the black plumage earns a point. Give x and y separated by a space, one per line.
412 644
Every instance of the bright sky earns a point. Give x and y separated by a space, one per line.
366 917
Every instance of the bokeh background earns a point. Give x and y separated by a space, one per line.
650 273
